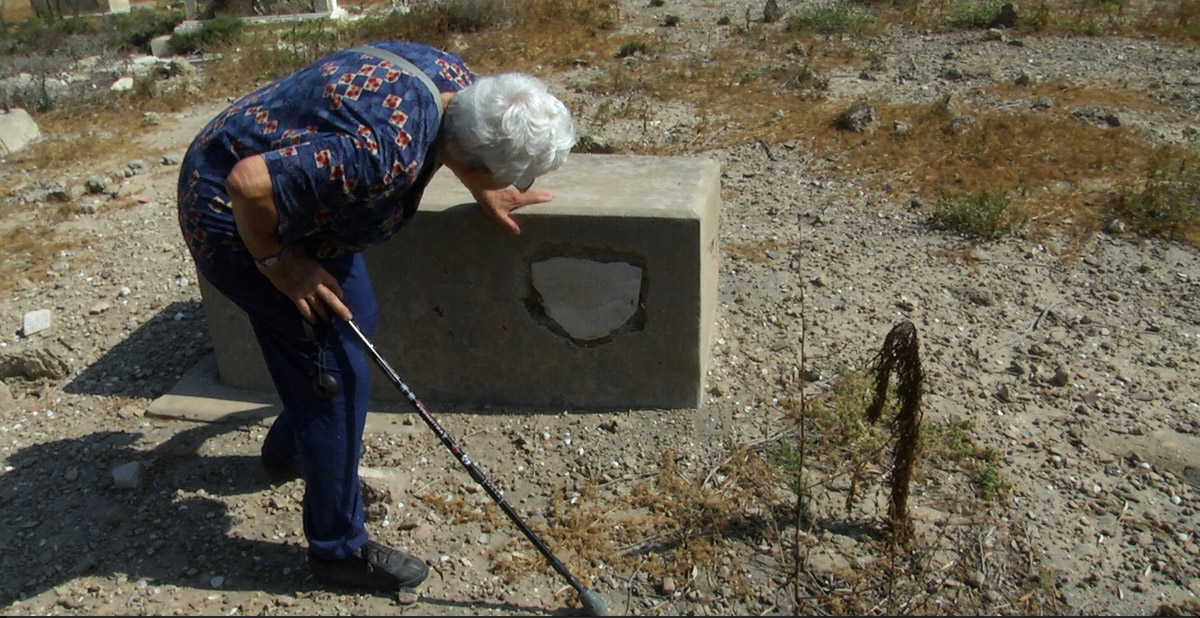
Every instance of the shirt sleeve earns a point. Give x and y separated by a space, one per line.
321 183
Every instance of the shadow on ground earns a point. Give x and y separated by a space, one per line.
62 517
152 358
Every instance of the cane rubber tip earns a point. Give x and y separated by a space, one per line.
592 603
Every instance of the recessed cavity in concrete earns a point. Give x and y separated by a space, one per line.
586 298
606 299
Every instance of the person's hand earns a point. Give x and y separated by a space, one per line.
314 291
500 203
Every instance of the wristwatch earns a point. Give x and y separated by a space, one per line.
272 260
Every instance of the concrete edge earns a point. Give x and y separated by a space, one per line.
200 396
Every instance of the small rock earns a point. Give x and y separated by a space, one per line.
128 476
7 401
859 117
96 184
36 321
423 532
131 412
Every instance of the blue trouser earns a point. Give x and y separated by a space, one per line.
324 435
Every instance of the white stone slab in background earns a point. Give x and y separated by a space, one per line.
36 321
17 129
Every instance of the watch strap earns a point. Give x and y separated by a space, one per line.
270 260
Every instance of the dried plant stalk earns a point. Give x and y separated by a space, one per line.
900 355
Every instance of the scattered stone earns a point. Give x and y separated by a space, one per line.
131 412
17 130
128 476
34 364
36 322
859 117
7 402
96 184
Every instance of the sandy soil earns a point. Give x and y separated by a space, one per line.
1078 371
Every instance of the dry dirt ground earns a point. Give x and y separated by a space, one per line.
1078 371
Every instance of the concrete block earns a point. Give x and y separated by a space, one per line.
75 8
17 129
605 301
160 46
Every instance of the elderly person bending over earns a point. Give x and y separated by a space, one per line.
278 196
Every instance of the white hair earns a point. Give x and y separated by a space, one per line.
511 125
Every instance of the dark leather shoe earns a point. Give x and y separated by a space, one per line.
374 567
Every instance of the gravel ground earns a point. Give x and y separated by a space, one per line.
1076 370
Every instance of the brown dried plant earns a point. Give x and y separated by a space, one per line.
900 355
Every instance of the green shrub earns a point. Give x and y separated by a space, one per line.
133 31
975 13
1168 202
987 215
589 143
434 22
210 35
630 48
839 17
989 480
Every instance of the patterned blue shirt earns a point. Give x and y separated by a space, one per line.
349 140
